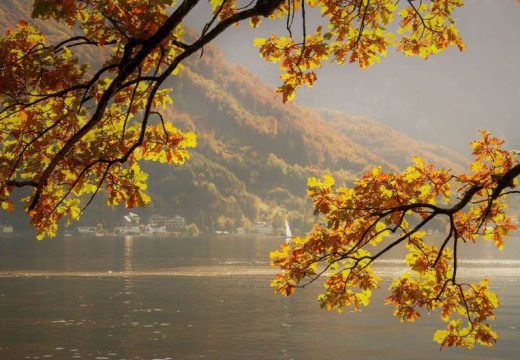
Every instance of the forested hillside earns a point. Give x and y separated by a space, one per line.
255 154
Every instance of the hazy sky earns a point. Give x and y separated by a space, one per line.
444 99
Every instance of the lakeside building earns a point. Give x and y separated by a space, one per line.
154 229
131 224
263 228
174 224
157 220
6 229
128 230
85 230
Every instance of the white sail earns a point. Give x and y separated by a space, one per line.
288 233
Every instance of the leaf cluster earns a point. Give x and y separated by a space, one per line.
384 210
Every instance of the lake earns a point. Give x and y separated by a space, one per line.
209 298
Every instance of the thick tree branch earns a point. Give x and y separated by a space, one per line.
129 65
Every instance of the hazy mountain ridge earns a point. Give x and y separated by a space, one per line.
254 152
270 149
392 145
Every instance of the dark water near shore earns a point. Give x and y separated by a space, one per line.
158 298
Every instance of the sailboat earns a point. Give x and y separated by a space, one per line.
288 233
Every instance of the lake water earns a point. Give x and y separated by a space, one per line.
209 298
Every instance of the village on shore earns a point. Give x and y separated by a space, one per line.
163 226
160 225
156 226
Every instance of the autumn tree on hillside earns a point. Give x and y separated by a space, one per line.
72 127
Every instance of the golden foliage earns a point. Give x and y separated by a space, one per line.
384 210
359 32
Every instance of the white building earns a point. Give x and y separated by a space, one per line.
6 229
128 230
154 229
84 230
157 220
177 223
174 224
262 227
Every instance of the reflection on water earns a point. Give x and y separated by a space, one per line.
249 270
129 253
207 298
120 254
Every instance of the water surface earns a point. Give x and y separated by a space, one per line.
160 298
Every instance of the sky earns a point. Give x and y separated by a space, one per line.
444 99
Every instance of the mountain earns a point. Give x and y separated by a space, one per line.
255 154
390 144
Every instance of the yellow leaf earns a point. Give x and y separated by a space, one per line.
258 42
440 336
328 181
419 162
425 190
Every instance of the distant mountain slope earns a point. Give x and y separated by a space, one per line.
255 153
390 144
236 105
258 152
